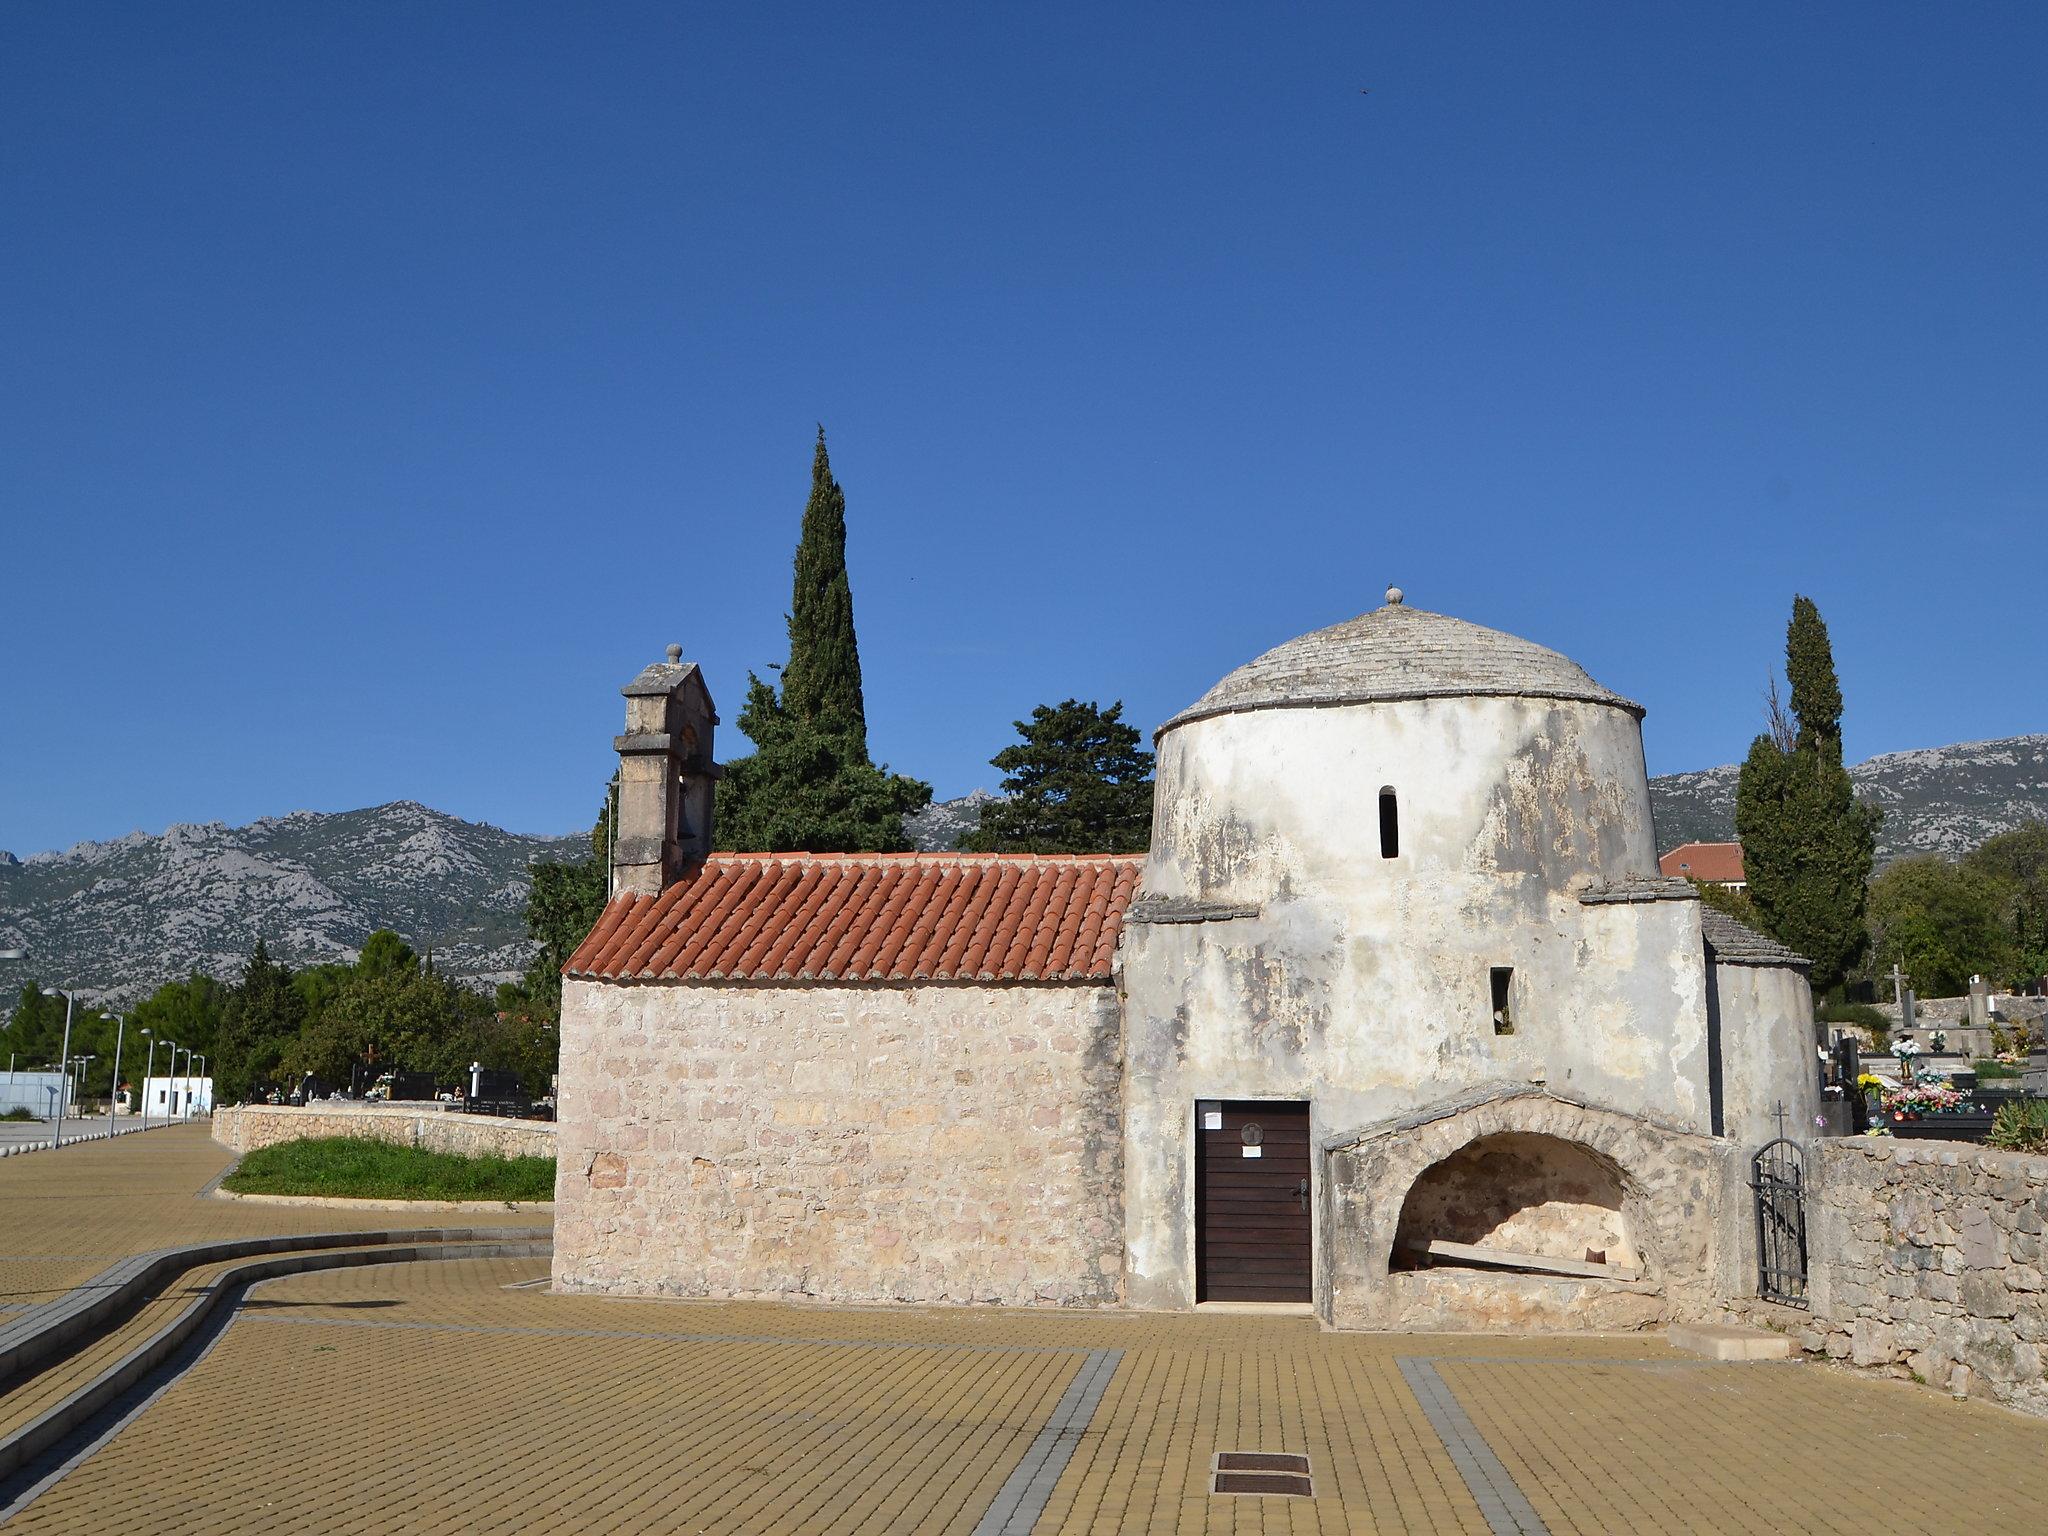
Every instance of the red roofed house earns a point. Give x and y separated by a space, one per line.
1715 863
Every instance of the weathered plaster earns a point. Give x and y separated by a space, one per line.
1360 983
1767 1053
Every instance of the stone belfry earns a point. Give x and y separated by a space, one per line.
667 777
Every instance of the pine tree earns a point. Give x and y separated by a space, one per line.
1079 782
821 684
262 1018
1807 842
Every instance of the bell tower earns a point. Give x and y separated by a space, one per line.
667 777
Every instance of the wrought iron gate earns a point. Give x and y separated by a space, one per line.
1778 1175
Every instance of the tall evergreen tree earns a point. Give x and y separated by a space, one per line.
262 1018
1807 842
809 786
821 684
1079 782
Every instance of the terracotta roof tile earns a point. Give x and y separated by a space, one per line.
826 917
1720 863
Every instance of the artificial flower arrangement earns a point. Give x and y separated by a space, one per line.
1926 1095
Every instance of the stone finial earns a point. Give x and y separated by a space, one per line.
675 655
1394 596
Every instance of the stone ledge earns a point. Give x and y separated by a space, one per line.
1717 1341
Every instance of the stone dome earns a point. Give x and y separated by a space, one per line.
1398 652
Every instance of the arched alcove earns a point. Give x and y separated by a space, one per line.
1519 1193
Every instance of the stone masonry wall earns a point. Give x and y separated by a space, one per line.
1927 1257
925 1144
249 1126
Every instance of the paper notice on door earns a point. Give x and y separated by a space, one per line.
1254 1151
1211 1113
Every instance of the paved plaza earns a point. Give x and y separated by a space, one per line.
461 1395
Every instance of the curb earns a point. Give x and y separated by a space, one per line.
59 1327
351 1203
45 1431
79 1141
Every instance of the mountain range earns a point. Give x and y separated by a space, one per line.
117 919
1942 800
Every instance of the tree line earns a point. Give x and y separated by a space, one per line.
387 1010
1809 844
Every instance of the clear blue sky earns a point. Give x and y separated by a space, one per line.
386 383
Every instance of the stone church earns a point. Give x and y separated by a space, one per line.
1397 1020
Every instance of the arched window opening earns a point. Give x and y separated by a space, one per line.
1390 825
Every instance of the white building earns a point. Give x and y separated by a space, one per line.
173 1098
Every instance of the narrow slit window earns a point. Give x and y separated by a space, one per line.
1503 978
1390 825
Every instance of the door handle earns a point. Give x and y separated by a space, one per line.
1301 1190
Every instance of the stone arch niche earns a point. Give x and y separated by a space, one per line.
1519 1194
1516 1169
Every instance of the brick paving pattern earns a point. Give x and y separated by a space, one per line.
463 1396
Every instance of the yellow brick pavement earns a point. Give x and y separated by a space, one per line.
430 1396
462 1396
66 1215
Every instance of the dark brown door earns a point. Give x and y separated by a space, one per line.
1252 1233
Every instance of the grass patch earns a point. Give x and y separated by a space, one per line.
1988 1068
350 1167
18 1113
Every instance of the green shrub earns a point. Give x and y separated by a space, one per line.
19 1113
353 1167
1862 1014
2021 1126
1986 1068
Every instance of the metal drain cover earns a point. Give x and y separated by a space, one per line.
1270 1472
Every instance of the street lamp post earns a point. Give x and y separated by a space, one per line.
171 1070
114 1088
186 1113
63 1057
202 1081
145 1077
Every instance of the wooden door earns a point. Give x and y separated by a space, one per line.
1253 1232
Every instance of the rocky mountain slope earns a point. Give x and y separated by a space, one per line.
1938 800
117 919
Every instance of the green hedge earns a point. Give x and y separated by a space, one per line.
353 1167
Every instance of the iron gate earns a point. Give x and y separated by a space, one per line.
1778 1175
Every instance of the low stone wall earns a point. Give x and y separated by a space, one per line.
1927 1257
249 1126
925 1143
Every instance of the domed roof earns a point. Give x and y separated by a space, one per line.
1398 652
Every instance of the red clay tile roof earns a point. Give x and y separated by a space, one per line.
826 917
1720 863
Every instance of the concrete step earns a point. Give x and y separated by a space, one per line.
1719 1341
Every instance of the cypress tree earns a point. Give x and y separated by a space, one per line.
1807 842
821 684
1810 669
809 785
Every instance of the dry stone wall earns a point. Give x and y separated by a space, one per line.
927 1143
1927 1261
249 1126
